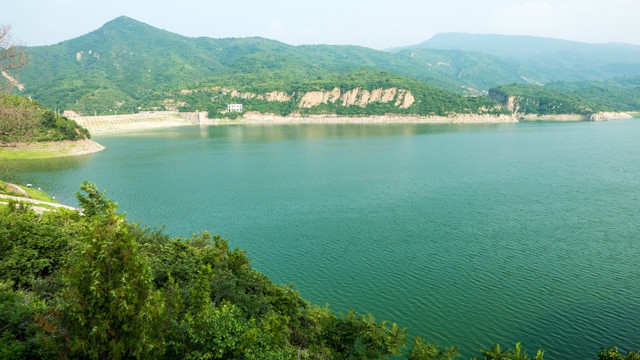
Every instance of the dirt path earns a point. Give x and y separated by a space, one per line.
37 202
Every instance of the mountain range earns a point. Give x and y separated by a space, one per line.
127 65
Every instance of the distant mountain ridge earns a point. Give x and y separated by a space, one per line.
541 59
127 65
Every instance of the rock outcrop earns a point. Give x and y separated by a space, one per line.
402 98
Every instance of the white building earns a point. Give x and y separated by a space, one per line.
234 107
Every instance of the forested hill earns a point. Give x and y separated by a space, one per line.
128 66
127 63
538 60
587 97
23 121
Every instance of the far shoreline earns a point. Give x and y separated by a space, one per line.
252 118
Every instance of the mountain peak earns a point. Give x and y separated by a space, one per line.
122 21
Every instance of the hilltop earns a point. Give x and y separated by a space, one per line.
127 66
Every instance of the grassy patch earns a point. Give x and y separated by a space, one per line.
45 150
635 114
4 205
37 194
24 192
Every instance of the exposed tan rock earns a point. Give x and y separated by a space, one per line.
311 98
245 95
388 95
13 81
350 97
278 96
334 95
408 100
363 99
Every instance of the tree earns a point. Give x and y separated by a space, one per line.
612 353
495 353
12 57
428 351
108 308
19 119
94 202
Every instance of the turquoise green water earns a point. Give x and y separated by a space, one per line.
469 235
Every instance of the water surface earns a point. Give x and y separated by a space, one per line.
469 235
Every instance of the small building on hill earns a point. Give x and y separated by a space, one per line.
234 107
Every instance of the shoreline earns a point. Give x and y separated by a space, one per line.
66 148
251 118
601 116
50 149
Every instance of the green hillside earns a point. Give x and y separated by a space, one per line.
23 121
474 72
544 60
127 66
349 94
621 94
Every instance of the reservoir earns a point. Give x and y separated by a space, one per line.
467 234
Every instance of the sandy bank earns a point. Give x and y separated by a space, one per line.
265 119
50 149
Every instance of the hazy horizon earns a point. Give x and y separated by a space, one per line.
375 24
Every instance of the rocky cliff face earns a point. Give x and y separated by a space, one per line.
507 101
359 97
400 98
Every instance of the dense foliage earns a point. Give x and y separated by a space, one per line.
534 60
619 94
214 94
127 66
533 99
24 120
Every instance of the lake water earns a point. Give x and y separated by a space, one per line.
470 235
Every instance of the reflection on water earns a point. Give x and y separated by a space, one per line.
46 165
274 133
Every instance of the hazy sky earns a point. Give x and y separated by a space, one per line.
373 23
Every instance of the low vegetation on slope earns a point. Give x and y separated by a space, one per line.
619 94
533 99
358 93
23 120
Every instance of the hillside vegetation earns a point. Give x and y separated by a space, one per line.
541 60
618 94
23 121
359 93
622 94
127 66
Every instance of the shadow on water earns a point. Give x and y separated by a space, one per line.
13 167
